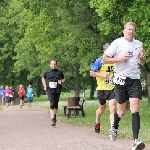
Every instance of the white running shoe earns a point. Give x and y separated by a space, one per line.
113 134
138 145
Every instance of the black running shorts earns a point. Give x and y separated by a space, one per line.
104 95
54 99
131 89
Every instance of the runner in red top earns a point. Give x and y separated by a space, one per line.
21 93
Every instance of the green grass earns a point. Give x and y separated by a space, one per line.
125 129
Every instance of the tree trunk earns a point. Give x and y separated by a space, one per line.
92 88
145 73
39 87
77 81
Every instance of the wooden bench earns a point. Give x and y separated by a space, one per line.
75 109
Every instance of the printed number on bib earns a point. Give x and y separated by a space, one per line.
52 84
109 81
118 79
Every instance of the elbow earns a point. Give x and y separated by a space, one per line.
104 61
91 73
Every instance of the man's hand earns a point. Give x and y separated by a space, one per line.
106 75
125 57
60 82
141 54
45 88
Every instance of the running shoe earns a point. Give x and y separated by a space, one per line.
138 145
97 127
113 134
53 122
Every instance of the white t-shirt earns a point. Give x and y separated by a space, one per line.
129 68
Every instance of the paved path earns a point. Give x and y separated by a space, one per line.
29 129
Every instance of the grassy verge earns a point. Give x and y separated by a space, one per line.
125 129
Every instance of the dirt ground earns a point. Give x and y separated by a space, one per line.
29 129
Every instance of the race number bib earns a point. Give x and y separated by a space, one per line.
10 95
52 84
109 81
118 79
7 94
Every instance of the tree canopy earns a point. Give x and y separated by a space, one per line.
73 32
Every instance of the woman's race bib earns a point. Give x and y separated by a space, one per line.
52 84
7 94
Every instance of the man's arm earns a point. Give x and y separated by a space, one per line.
110 60
142 58
44 83
63 80
142 61
97 74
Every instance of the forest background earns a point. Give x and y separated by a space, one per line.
32 32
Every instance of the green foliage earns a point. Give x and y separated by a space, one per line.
115 13
34 32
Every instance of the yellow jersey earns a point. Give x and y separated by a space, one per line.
103 83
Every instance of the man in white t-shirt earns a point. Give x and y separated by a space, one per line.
127 54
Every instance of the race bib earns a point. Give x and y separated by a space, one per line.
109 81
10 95
118 79
7 94
52 84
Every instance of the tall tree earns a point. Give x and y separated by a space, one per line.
115 13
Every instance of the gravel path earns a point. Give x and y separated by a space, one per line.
29 129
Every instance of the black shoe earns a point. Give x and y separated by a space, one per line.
53 122
97 127
138 145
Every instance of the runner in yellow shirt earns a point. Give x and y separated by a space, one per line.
105 88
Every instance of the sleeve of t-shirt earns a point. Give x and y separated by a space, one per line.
111 51
44 76
97 64
62 75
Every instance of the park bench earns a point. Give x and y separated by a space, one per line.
73 110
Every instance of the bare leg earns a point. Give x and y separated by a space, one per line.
21 103
112 108
99 112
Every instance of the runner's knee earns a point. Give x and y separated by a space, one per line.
121 113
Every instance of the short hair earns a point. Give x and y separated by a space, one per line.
105 46
129 23
53 60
